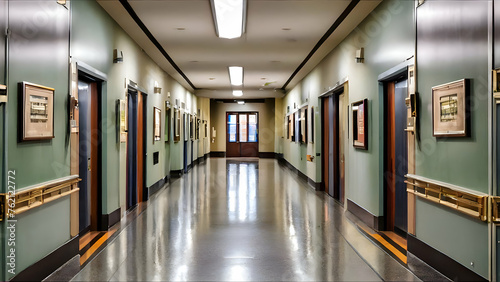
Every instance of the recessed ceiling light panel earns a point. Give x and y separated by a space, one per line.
229 17
236 75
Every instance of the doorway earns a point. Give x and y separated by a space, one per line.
242 138
136 149
396 156
335 136
89 153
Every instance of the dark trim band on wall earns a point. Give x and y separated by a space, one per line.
47 265
441 262
329 32
374 222
108 220
151 37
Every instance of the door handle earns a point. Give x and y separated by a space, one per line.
88 165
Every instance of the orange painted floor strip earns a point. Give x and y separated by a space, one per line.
397 239
386 244
87 238
96 246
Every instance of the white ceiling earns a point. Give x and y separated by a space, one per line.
279 36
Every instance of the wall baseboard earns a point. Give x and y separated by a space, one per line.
158 185
217 154
441 262
108 220
374 222
315 185
50 263
267 155
176 173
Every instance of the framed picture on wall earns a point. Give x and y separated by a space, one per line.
177 125
303 125
37 115
167 121
297 126
360 124
186 126
450 112
156 124
291 127
311 126
191 127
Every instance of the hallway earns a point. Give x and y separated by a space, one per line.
242 220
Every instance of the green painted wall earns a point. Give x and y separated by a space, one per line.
453 44
38 53
51 223
94 37
388 38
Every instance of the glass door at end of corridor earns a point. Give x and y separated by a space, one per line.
242 132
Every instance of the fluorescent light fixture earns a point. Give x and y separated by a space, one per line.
241 102
237 93
229 17
236 76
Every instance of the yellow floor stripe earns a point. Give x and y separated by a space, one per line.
386 244
87 238
96 246
390 247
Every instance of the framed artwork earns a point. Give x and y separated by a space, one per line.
311 137
191 127
167 121
291 127
177 125
156 124
360 124
450 112
37 114
296 134
186 127
285 132
123 122
303 125
206 128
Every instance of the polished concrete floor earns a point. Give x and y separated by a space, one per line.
242 220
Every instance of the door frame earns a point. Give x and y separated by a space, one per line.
392 75
238 129
336 162
134 90
82 71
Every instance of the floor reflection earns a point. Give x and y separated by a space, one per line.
233 220
242 188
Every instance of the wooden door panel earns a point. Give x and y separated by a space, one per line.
326 141
94 163
140 147
249 149
390 158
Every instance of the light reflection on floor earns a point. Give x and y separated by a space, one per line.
241 220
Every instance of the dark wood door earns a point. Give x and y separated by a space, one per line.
326 141
89 140
390 163
401 158
132 150
232 142
140 147
242 139
396 157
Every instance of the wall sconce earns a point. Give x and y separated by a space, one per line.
157 89
117 56
61 2
360 55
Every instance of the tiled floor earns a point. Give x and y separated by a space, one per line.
240 220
